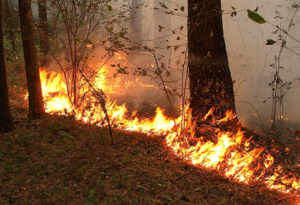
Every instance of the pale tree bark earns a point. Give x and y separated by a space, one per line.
36 105
6 121
210 78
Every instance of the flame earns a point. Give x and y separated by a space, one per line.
120 55
137 80
283 118
54 91
231 155
151 65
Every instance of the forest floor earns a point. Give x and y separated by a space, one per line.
57 160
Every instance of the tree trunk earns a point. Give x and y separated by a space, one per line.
10 26
43 26
36 105
210 78
6 121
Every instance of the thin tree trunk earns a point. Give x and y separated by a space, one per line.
43 26
36 105
6 121
210 78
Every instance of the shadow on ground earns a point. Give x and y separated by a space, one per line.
57 160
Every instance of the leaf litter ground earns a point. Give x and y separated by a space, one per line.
57 160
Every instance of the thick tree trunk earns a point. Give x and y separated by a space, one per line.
6 122
9 24
36 105
43 26
210 78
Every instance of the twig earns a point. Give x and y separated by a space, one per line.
102 100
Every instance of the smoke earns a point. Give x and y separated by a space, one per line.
250 60
161 33
34 6
249 57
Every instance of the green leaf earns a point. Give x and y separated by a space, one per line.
181 27
122 34
110 29
270 42
160 28
76 39
66 135
109 7
88 41
256 17
132 48
163 5
169 12
92 192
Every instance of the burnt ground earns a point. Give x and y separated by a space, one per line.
57 160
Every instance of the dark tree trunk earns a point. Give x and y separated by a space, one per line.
6 122
43 26
9 24
210 78
36 105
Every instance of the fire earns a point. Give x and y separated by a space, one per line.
54 91
137 80
151 65
230 155
120 55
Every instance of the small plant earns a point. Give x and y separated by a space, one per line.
279 86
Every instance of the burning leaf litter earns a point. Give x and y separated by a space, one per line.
225 156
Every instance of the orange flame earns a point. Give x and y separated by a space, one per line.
151 65
120 55
226 155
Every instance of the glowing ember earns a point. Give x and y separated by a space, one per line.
230 155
